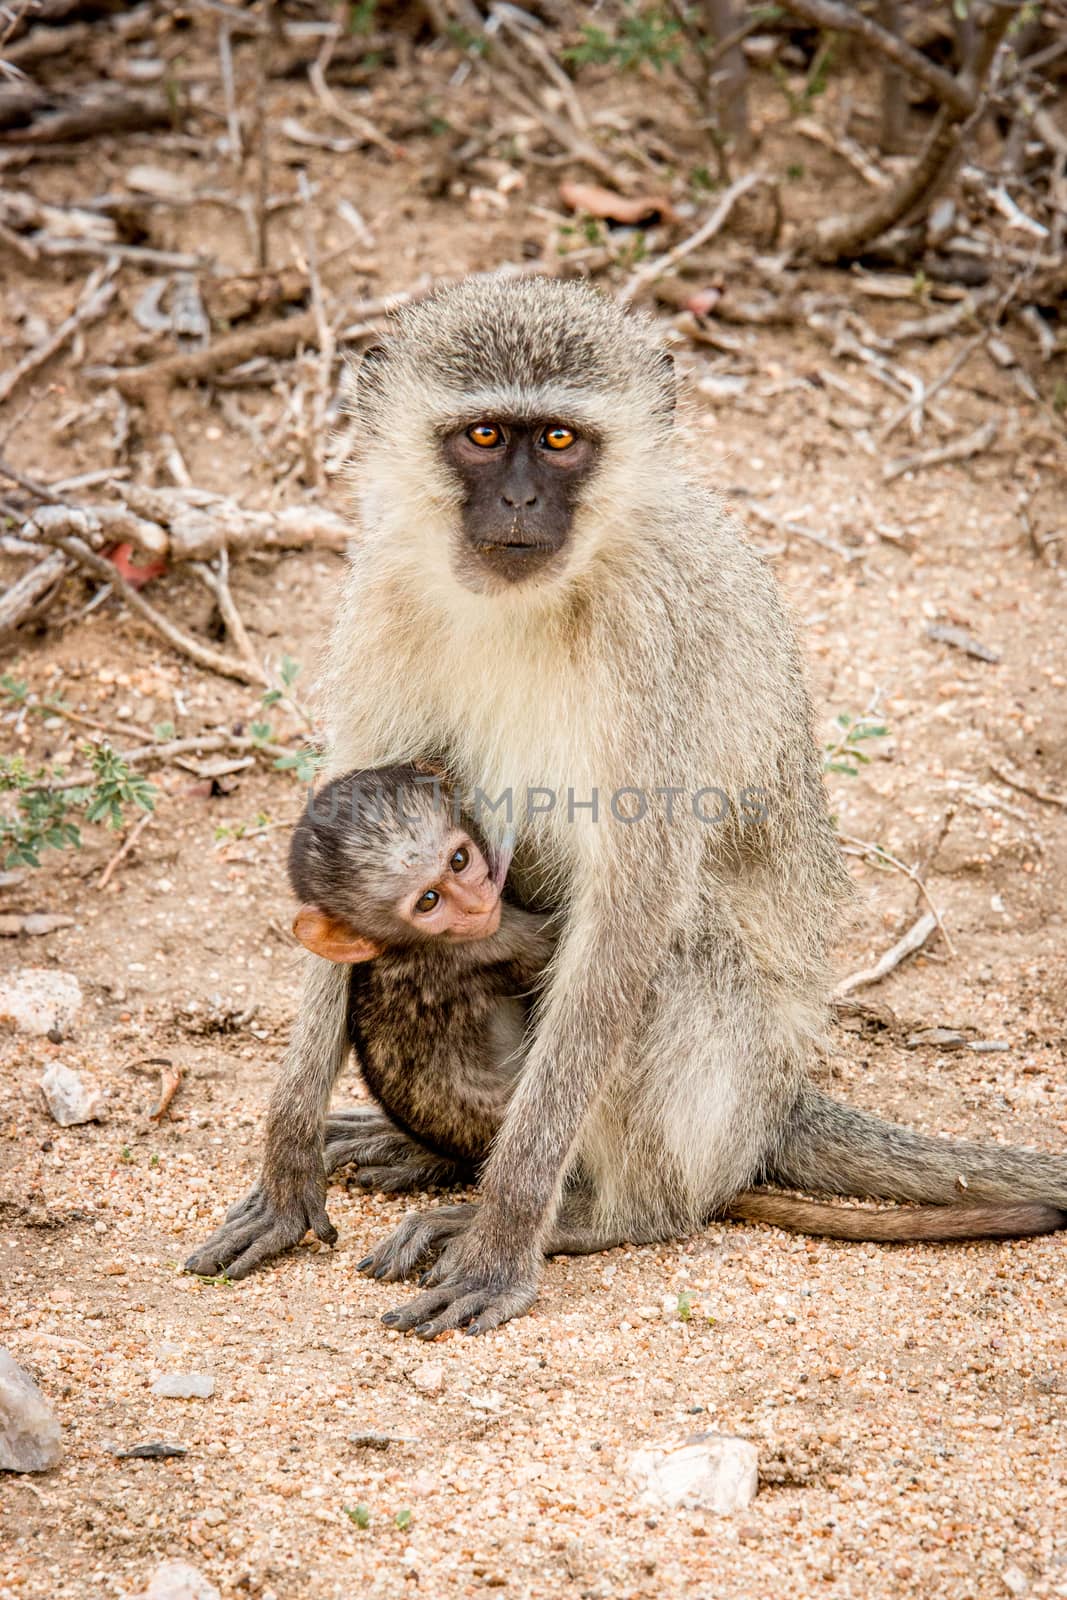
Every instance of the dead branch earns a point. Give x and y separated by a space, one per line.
202 654
22 597
953 92
960 450
1013 781
962 356
847 234
876 852
276 340
912 941
217 581
99 109
124 849
707 230
95 298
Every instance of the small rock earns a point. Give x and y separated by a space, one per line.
157 1450
40 1000
29 1432
177 1580
214 1516
71 1097
32 924
429 1378
1015 1580
184 1386
706 1472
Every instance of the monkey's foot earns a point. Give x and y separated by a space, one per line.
465 1294
257 1228
387 1159
417 1242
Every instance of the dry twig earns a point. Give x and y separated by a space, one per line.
97 295
708 229
124 849
912 941
959 450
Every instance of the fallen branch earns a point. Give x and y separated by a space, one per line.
793 530
707 230
218 582
22 597
202 654
868 849
124 849
275 340
1044 795
960 450
912 941
847 234
95 298
954 92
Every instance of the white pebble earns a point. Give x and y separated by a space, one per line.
29 1432
40 1000
184 1386
72 1097
706 1472
429 1378
177 1580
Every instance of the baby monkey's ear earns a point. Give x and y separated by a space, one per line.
333 940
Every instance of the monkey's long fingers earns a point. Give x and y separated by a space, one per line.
460 1305
227 1243
417 1238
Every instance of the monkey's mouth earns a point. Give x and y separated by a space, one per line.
514 559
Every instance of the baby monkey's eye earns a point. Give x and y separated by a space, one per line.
427 901
459 859
485 435
558 438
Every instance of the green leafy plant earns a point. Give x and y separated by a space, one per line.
403 1519
644 34
359 1514
47 815
843 754
685 1305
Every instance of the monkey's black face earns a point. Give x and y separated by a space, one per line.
520 483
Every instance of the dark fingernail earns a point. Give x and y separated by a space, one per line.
380 1272
391 1317
472 1327
361 1266
424 1277
424 1330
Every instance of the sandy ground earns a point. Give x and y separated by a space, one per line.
908 1403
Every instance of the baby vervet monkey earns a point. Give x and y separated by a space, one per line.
397 883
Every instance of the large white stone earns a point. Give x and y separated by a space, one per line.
72 1097
29 1432
706 1472
177 1580
40 1000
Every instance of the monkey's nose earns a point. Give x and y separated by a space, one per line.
519 501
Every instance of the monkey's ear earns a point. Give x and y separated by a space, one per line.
331 939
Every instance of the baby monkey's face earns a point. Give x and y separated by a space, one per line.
460 899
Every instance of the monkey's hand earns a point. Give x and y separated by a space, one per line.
469 1289
273 1217
417 1242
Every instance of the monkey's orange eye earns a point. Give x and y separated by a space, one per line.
558 438
485 435
427 902
459 859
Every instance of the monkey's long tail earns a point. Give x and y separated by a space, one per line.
965 1190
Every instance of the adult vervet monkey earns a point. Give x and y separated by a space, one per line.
543 600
